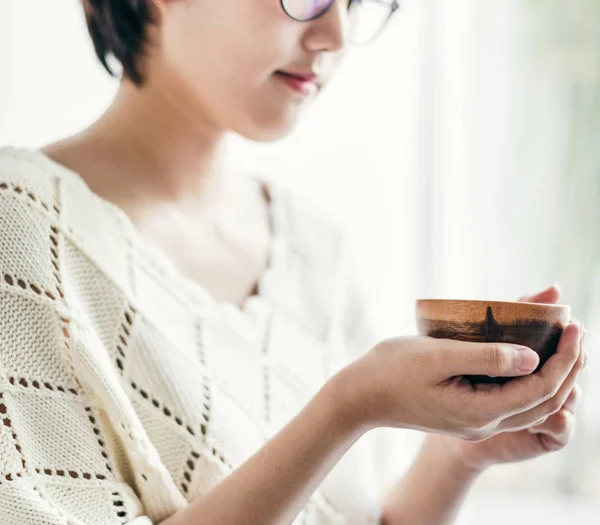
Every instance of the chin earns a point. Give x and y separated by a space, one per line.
270 131
268 115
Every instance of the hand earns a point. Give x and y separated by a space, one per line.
550 434
417 383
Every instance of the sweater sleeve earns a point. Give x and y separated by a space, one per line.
59 455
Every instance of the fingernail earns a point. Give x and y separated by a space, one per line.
527 360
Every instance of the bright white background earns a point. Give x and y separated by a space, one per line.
449 140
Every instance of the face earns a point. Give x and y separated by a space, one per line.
222 57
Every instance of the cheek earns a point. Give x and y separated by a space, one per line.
221 62
218 48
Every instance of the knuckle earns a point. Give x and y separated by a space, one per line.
495 360
561 421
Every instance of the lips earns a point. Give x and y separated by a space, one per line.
307 83
308 77
302 77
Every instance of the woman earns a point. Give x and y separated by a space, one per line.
185 346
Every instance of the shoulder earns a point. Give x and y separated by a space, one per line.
30 177
23 179
29 213
51 223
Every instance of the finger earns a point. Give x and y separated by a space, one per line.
537 423
459 358
573 399
554 403
550 295
526 393
555 425
532 418
557 431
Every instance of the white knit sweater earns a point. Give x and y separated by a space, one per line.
125 390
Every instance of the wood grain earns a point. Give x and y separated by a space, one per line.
538 326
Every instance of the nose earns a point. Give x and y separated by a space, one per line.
328 32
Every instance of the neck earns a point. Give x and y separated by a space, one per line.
158 147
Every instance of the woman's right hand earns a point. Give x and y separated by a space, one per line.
418 383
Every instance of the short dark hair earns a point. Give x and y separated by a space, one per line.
119 29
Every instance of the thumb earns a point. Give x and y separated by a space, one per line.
488 359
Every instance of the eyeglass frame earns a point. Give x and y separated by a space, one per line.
394 6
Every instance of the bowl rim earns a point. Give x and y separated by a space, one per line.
488 302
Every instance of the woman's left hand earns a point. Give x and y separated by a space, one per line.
549 435
421 498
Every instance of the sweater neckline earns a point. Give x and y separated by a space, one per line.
265 284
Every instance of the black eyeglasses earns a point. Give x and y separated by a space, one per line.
368 18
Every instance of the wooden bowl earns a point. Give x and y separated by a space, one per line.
537 326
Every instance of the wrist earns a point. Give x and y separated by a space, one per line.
455 455
434 487
347 402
